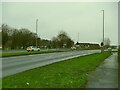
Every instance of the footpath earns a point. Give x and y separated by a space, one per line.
106 75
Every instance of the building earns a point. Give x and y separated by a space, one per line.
87 46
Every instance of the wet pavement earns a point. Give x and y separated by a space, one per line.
106 75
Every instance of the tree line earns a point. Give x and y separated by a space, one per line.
13 38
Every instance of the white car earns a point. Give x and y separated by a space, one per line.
73 48
33 48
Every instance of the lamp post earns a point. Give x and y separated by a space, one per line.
103 29
36 30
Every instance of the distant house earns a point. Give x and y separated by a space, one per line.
87 45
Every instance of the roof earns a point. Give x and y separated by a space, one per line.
86 44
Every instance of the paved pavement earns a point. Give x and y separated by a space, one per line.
106 75
13 65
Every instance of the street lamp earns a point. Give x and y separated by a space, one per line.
36 30
103 29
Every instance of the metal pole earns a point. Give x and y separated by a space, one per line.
103 30
103 27
36 30
78 37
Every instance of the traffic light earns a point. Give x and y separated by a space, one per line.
102 44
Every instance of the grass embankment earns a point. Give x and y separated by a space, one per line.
9 54
0 83
119 64
119 68
71 73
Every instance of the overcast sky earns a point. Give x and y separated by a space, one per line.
72 17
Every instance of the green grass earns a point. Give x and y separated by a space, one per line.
0 83
119 67
70 73
28 53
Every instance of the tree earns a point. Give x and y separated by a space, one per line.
13 38
54 42
5 36
62 40
23 38
45 43
16 38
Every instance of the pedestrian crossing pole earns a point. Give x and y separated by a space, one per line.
103 29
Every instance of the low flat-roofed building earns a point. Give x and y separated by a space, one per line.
87 45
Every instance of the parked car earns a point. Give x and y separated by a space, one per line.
73 48
32 48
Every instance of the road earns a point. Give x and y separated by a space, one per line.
13 65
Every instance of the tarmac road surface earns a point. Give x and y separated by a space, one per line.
13 65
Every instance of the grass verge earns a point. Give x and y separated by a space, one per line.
10 54
119 68
0 83
70 73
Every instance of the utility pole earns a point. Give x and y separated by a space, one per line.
103 29
36 30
